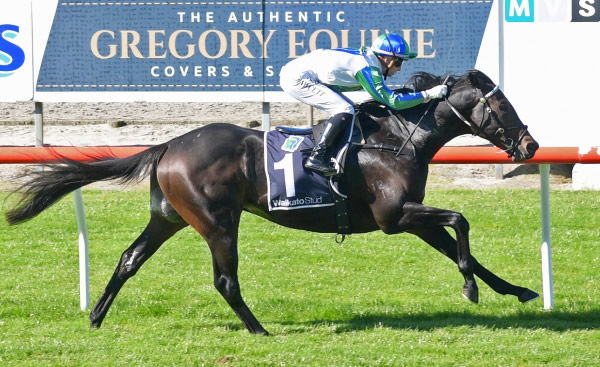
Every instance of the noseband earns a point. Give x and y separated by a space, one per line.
511 145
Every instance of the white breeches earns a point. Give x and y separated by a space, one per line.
307 88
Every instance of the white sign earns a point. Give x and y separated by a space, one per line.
550 65
16 57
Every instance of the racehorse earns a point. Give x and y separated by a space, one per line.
207 177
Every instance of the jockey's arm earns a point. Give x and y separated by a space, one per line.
371 80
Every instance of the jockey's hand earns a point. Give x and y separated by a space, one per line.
436 92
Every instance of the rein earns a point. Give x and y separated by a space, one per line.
511 145
484 101
398 150
419 122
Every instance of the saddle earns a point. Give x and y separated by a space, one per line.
338 151
344 144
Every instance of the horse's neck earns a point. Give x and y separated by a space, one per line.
431 143
430 135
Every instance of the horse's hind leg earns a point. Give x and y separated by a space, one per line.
215 213
164 223
223 246
156 233
441 240
418 216
220 230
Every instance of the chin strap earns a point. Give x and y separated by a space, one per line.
385 74
387 69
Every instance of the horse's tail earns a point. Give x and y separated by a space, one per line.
56 180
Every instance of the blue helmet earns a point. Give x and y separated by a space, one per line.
391 44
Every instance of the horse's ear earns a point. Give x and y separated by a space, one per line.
478 79
474 77
450 80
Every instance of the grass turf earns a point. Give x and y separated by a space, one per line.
373 300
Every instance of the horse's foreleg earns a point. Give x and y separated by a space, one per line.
419 216
156 233
441 240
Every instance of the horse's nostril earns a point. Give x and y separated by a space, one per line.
532 147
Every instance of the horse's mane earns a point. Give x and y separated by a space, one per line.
419 81
423 80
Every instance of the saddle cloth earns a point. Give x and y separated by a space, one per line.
289 184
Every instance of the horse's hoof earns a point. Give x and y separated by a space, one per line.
260 331
94 323
528 295
472 294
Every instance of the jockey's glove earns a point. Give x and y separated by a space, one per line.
436 92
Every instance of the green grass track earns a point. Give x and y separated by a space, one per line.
375 300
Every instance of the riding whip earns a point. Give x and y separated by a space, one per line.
419 122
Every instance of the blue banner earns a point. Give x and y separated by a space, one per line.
241 46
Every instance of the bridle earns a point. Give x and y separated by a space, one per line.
511 145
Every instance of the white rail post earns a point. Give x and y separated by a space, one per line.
499 167
548 286
38 118
84 269
84 277
266 116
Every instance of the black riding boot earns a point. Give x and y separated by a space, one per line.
318 160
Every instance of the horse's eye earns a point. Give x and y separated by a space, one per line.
503 107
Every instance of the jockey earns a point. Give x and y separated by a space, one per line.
319 78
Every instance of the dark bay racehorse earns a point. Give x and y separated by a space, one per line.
207 177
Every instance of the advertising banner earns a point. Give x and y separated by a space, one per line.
16 78
207 50
222 51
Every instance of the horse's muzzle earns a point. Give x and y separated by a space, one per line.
526 149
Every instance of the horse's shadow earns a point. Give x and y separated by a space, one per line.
553 320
